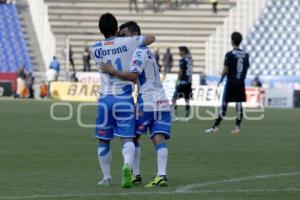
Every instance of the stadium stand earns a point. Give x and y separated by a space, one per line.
13 50
189 24
273 42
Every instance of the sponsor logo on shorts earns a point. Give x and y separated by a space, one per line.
101 132
141 127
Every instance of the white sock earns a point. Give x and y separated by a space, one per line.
137 159
162 159
128 152
104 156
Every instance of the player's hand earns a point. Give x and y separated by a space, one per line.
107 68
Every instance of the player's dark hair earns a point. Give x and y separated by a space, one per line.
108 25
236 38
132 26
184 49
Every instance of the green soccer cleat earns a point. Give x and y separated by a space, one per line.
127 177
137 180
160 181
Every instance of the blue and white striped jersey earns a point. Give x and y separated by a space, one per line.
151 92
118 51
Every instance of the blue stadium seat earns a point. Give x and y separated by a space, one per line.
13 50
273 42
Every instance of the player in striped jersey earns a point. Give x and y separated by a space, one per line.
153 109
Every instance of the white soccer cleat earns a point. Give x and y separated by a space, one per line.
211 130
236 131
185 120
174 119
105 182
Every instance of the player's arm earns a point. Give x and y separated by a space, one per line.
226 67
180 74
127 76
224 74
137 65
141 40
182 66
149 39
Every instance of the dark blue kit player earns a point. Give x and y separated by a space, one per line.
235 70
184 83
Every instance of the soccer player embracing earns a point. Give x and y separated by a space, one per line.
116 113
153 109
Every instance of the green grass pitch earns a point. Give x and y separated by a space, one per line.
45 159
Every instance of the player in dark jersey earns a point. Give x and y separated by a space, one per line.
184 82
235 69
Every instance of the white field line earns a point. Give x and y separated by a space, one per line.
234 180
180 190
146 193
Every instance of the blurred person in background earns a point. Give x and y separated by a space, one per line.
214 5
256 82
184 83
30 83
71 59
203 78
155 5
54 69
69 55
166 4
43 90
168 61
86 58
22 90
52 73
157 58
135 5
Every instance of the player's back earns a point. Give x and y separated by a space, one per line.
149 84
186 66
117 51
149 80
237 61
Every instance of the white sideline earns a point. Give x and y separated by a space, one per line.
196 185
146 193
181 190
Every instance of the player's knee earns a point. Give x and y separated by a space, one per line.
104 142
103 149
158 139
126 140
136 141
187 107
